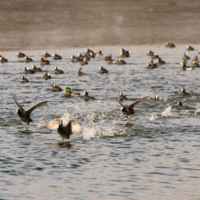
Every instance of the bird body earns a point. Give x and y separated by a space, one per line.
102 70
55 87
129 110
64 131
23 79
122 97
44 62
25 115
87 97
183 107
56 56
58 71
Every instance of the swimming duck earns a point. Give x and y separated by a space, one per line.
181 106
75 59
154 56
56 56
58 71
25 115
80 56
186 57
124 53
106 57
195 64
70 93
46 76
195 60
27 59
84 62
102 70
99 53
184 93
55 87
86 97
36 69
189 48
122 97
184 67
44 62
121 62
156 98
150 53
110 60
21 55
28 71
23 79
88 51
160 61
91 55
2 59
64 131
169 45
46 54
79 73
151 65
129 110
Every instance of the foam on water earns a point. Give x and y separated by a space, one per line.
167 112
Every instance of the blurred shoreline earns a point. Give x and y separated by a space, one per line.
27 25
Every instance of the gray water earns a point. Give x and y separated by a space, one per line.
154 156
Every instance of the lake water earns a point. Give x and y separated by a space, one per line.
154 156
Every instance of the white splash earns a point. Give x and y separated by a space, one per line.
167 112
153 117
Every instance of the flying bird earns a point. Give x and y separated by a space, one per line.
129 110
64 131
25 115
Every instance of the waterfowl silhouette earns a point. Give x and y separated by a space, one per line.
79 73
154 56
106 57
25 115
99 53
21 55
44 62
87 97
46 76
56 56
195 60
195 64
84 62
184 93
75 59
124 53
121 96
129 110
189 48
28 71
69 93
23 79
36 69
150 53
64 131
185 56
55 87
120 62
110 60
58 71
2 59
169 45
102 70
181 106
151 65
27 59
46 54
156 98
184 67
160 61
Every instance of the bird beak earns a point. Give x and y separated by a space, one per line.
64 91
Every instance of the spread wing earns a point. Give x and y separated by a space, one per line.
19 107
52 125
138 101
75 127
36 106
118 103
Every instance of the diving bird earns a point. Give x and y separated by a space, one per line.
25 115
129 110
64 131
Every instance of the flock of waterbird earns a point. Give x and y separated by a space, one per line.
72 125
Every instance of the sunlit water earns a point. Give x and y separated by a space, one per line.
154 156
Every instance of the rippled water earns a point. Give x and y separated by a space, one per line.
154 156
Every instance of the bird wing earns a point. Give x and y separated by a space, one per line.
36 106
19 107
75 127
138 101
118 103
52 125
